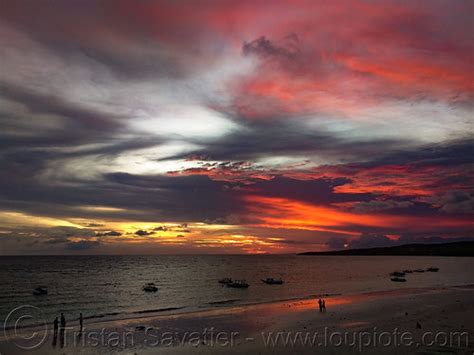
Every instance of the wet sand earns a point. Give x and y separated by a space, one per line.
421 321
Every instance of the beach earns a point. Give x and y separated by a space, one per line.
409 320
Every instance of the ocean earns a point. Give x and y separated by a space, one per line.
103 287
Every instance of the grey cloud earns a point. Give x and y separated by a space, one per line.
109 234
381 205
262 46
142 232
279 137
39 103
82 245
453 201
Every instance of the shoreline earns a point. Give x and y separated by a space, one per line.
201 309
383 309
169 311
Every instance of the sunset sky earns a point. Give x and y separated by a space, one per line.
234 126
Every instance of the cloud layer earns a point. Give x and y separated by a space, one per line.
132 127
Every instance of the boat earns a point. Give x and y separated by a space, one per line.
40 291
150 287
398 279
272 281
225 281
398 273
433 269
238 284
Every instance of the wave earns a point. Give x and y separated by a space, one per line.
158 310
224 302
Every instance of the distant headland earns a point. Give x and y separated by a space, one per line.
444 249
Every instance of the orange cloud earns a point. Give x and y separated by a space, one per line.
272 212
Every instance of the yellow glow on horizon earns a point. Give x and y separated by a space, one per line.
189 235
102 209
11 218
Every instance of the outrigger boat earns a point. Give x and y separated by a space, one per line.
272 281
225 281
398 273
40 291
238 284
150 287
398 279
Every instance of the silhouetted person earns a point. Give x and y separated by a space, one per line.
56 326
81 323
323 306
320 302
55 333
62 330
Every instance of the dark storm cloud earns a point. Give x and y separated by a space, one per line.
280 137
315 191
120 35
450 153
454 201
182 198
37 103
177 198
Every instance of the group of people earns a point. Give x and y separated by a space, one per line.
59 324
322 305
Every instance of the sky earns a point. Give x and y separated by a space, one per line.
184 127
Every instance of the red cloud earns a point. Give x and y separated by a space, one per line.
272 212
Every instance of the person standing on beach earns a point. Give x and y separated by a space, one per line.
323 306
80 323
55 333
61 330
320 302
56 326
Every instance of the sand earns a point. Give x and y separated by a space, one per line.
409 321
